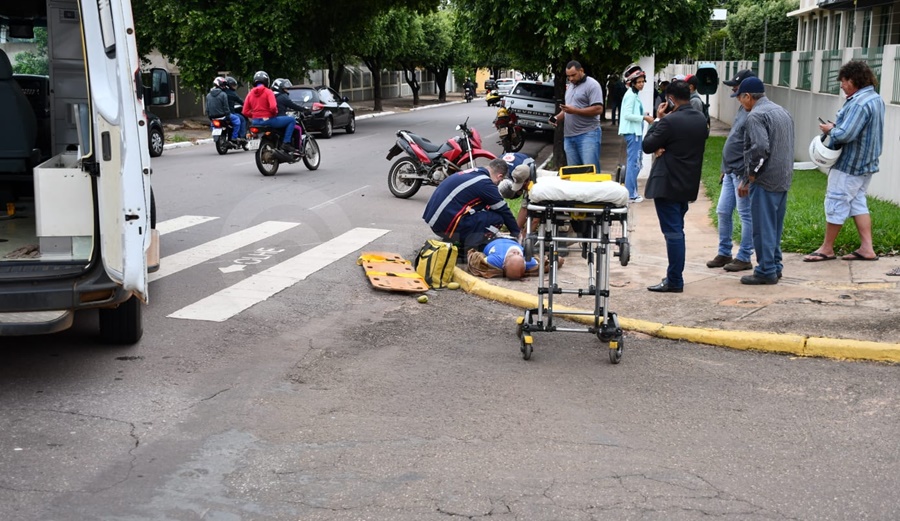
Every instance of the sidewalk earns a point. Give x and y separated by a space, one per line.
837 309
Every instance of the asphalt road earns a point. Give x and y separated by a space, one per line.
328 400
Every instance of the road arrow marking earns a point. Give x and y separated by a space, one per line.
218 247
232 268
223 305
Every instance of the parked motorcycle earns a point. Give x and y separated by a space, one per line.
512 135
493 97
221 132
428 163
267 142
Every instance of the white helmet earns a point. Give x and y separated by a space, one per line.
821 155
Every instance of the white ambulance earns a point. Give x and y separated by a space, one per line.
76 208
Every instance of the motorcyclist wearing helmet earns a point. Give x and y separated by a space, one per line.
260 107
217 106
283 99
235 102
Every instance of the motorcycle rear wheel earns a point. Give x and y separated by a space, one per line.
404 188
516 141
311 156
265 159
222 144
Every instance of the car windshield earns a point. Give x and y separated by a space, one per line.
534 90
303 95
507 81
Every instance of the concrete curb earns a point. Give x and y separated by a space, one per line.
799 345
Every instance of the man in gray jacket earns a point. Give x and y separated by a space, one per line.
769 160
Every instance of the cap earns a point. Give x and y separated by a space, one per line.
692 80
751 85
678 77
520 175
739 77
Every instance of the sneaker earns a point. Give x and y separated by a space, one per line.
719 261
287 147
738 265
637 199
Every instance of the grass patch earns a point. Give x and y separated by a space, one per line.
177 138
804 221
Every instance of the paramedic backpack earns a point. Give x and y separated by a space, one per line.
436 261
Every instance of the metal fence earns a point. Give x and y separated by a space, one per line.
784 70
831 64
804 68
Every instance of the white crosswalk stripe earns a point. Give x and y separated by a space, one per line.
218 247
180 223
257 288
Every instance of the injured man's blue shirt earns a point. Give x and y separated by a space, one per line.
495 252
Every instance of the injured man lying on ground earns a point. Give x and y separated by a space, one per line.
502 257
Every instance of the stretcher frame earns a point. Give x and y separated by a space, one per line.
599 246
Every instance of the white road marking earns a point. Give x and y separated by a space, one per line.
223 305
180 223
215 248
316 207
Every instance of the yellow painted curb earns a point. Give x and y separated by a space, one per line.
746 340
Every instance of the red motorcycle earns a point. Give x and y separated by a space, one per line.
428 163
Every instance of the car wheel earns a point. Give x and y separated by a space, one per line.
156 142
351 127
328 129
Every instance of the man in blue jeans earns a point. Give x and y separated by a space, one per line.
732 169
678 140
580 115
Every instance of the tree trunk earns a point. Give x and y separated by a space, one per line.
413 83
374 65
440 80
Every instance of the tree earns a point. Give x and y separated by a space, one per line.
601 34
410 53
34 62
446 46
756 26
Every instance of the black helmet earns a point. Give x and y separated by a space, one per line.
281 83
231 82
261 77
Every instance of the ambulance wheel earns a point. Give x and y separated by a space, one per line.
122 325
615 354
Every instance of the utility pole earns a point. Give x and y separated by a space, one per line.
765 33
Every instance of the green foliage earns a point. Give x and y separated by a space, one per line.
804 221
754 24
34 62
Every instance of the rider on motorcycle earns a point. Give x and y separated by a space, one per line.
260 107
217 106
236 103
283 99
469 88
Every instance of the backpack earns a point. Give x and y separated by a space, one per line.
436 261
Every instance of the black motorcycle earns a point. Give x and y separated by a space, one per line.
267 141
221 133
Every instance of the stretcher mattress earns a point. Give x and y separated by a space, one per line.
552 189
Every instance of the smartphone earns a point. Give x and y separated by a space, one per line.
822 121
552 120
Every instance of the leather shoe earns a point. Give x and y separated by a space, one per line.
719 261
756 280
663 287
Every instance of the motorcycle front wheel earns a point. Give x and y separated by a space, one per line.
311 156
265 159
400 187
222 144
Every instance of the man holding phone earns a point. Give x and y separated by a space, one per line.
580 114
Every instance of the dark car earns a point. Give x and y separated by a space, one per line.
155 134
328 110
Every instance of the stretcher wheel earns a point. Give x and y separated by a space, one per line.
624 253
520 326
526 347
616 346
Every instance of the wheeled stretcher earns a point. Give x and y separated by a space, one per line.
601 207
